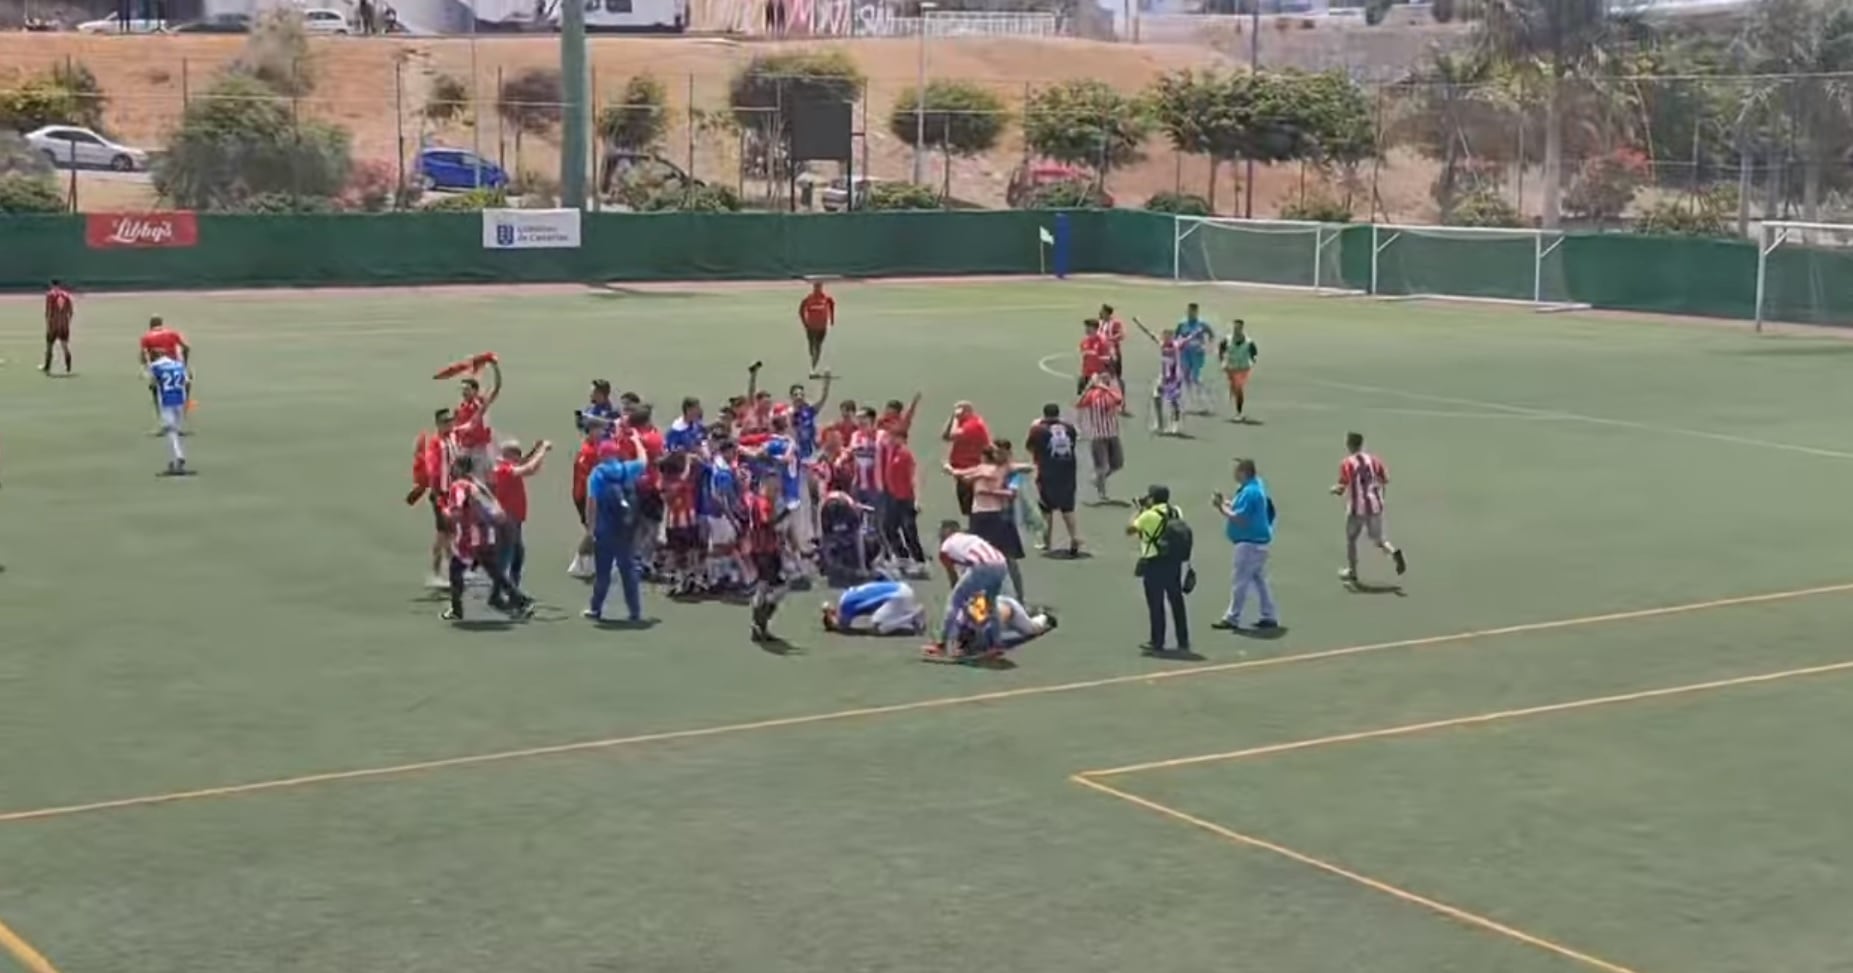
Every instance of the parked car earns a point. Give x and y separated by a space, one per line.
458 170
322 20
216 24
836 195
114 24
71 147
1028 177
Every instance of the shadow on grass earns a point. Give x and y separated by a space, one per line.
1780 348
627 624
1366 588
610 292
1260 634
1172 655
774 645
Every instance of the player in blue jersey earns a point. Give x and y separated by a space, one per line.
687 434
723 507
171 385
804 415
889 607
1194 337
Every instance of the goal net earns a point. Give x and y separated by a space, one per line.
1260 253
1804 273
1516 266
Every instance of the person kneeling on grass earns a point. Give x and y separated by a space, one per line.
890 607
1016 625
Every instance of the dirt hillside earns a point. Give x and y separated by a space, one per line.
377 87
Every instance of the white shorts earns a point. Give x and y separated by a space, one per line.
721 532
170 416
1370 525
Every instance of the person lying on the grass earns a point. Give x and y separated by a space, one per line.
1017 625
889 607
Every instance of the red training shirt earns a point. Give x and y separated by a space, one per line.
58 305
165 340
471 425
583 463
898 472
817 311
511 491
1096 351
969 439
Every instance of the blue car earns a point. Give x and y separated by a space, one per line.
458 170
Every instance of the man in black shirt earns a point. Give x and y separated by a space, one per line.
1052 442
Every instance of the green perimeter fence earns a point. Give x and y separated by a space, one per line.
1675 275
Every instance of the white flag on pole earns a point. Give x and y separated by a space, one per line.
1048 239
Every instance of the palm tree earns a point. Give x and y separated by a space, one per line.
1458 112
1559 38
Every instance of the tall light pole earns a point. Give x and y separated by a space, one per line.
1254 65
926 12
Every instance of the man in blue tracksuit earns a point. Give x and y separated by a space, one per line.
1249 525
611 509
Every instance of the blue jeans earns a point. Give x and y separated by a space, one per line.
984 579
609 552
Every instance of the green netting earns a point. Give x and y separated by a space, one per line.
1477 264
1279 254
1809 279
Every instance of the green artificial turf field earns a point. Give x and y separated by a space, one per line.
238 738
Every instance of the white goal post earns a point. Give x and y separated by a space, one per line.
1470 263
1804 273
1287 254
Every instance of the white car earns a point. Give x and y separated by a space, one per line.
71 147
114 24
321 20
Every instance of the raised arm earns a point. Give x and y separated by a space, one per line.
495 382
530 464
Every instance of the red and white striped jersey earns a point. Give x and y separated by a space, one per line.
472 528
1362 477
680 495
968 550
865 447
1097 414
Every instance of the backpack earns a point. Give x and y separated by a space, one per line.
617 506
1174 539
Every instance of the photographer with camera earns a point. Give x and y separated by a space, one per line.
1164 566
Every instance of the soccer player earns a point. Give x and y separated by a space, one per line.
431 472
1361 480
889 607
1052 444
472 513
471 430
160 339
900 523
1097 416
600 412
817 312
611 510
169 377
976 570
845 425
687 434
681 476
764 542
583 463
59 309
1168 390
722 506
1017 625
1096 354
804 415
1114 330
1194 337
509 483
1238 355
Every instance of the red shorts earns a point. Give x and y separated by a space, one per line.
58 331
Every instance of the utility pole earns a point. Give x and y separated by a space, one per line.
573 131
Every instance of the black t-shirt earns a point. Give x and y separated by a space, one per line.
1052 444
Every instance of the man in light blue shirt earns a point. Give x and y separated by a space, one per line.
1249 525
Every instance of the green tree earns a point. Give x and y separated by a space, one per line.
961 117
1192 109
1458 111
448 99
765 93
532 102
1559 39
236 142
88 100
276 52
1813 39
36 103
1086 122
637 121
902 195
22 192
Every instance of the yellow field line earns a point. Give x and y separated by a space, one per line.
1498 716
15 944
1377 885
469 760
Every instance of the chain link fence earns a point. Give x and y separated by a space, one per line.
383 124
